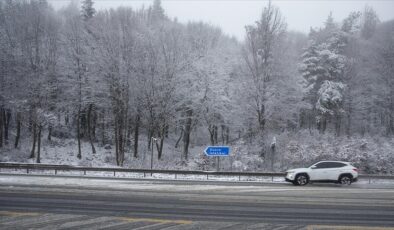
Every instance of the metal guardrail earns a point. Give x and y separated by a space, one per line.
56 168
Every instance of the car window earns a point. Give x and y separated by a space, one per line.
322 165
335 165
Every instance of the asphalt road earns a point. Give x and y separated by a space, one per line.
77 203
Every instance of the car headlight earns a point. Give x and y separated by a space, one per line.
290 174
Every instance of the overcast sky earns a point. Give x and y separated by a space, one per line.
233 15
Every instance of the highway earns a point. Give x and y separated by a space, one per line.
46 202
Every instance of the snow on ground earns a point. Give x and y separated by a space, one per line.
372 155
143 185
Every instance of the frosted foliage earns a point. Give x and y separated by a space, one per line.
330 97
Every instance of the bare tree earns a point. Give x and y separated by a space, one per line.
261 41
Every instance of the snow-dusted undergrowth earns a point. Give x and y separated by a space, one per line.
371 154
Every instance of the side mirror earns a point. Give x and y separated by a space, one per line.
313 167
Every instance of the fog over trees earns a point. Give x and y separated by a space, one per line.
120 77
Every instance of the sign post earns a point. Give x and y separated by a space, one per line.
217 151
151 156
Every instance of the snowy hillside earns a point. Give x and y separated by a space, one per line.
371 155
96 87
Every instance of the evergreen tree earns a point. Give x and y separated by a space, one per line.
369 22
322 68
157 13
87 9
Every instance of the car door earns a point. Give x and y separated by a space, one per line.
334 170
318 171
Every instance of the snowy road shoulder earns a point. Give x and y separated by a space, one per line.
168 185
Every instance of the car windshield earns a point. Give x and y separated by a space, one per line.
312 164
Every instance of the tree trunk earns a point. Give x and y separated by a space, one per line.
7 118
119 138
38 160
216 133
136 134
261 117
116 142
211 129
337 124
186 135
30 126
349 121
160 147
273 152
227 134
84 124
34 141
120 142
66 119
186 142
1 127
124 137
223 133
18 129
150 135
79 133
103 129
129 131
167 131
324 124
89 130
94 120
49 132
390 125
179 139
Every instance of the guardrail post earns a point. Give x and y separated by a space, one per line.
207 177
27 170
114 173
55 171
84 172
272 179
239 177
144 174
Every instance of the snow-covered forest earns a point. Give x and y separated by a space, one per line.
102 87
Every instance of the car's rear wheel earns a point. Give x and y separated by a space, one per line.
345 180
302 179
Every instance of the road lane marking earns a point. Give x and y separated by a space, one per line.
86 221
343 227
17 214
155 226
132 219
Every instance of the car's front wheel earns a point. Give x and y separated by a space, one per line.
302 179
345 180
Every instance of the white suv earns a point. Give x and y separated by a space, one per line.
324 171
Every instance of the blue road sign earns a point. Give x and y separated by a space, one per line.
217 151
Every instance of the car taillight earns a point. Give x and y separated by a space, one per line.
356 170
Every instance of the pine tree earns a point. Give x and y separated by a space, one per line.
87 9
369 22
157 13
323 67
